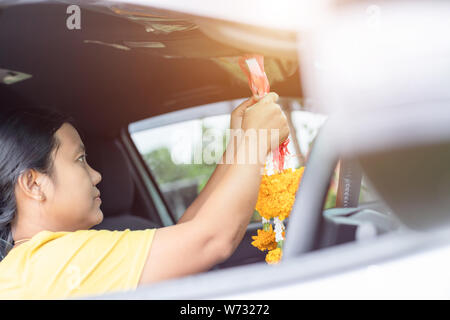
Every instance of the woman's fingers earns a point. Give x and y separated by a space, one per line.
269 98
266 106
239 111
267 115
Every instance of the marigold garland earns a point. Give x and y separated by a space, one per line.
275 200
265 240
274 256
277 193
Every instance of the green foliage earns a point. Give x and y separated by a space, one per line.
165 170
330 202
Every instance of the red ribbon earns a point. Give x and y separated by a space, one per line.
280 154
257 78
259 85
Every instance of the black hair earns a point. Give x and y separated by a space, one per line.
27 140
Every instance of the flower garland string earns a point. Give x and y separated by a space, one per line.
275 201
277 191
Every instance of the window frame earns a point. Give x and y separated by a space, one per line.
147 180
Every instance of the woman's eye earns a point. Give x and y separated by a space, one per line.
82 158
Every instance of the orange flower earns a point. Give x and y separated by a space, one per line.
265 240
274 256
277 193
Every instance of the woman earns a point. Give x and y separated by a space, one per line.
49 201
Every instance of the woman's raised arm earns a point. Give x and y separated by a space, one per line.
219 224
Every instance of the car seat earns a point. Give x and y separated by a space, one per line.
117 188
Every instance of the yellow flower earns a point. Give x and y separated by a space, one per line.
265 240
277 193
274 256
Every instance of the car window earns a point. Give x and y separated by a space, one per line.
366 194
175 146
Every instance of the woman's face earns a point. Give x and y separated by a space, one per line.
71 201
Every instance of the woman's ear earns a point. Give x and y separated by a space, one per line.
30 183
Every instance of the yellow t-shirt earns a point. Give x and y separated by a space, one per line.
55 265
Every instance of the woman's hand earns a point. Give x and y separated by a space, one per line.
267 115
238 113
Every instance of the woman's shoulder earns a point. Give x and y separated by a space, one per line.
48 236
69 240
85 235
52 246
64 242
52 235
102 258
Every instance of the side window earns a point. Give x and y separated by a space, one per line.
366 195
173 154
175 146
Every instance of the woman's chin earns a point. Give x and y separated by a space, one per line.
99 216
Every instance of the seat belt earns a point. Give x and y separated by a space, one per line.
349 186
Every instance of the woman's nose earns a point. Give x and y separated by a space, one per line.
97 177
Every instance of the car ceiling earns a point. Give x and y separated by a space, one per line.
104 78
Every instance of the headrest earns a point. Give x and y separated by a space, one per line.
117 186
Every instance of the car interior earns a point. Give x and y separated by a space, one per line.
105 88
119 69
